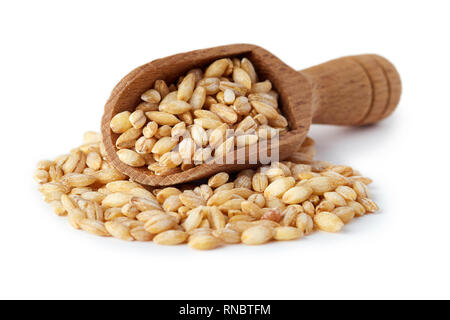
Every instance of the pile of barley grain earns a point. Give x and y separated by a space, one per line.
284 201
207 114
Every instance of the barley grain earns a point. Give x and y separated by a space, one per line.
120 122
170 237
327 221
152 96
256 235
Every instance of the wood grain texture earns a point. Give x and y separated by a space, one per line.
395 85
354 90
347 91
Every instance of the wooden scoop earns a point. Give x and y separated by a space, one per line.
355 90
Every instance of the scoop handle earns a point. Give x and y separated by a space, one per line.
353 90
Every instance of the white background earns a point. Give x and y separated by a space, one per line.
59 62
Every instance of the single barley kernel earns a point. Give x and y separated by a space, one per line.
227 235
144 145
58 208
238 89
191 200
138 119
208 123
170 237
262 87
131 158
320 185
198 98
225 113
247 66
118 230
338 178
78 180
144 216
167 192
305 223
364 180
72 161
178 130
308 207
278 187
203 241
287 233
226 186
239 225
186 88
357 207
259 182
325 205
220 198
256 235
247 124
94 227
175 107
161 87
172 96
264 98
280 122
211 85
150 129
129 211
267 110
44 165
162 118
232 204
159 223
217 68
75 217
171 159
297 194
228 96
120 122
151 96
172 203
116 200
218 180
121 186
139 234
199 135
272 213
346 171
347 193
257 199
251 209
241 106
290 214
128 138
244 192
147 106
216 218
164 145
361 189
346 214
327 221
242 77
41 176
94 160
335 198
368 204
